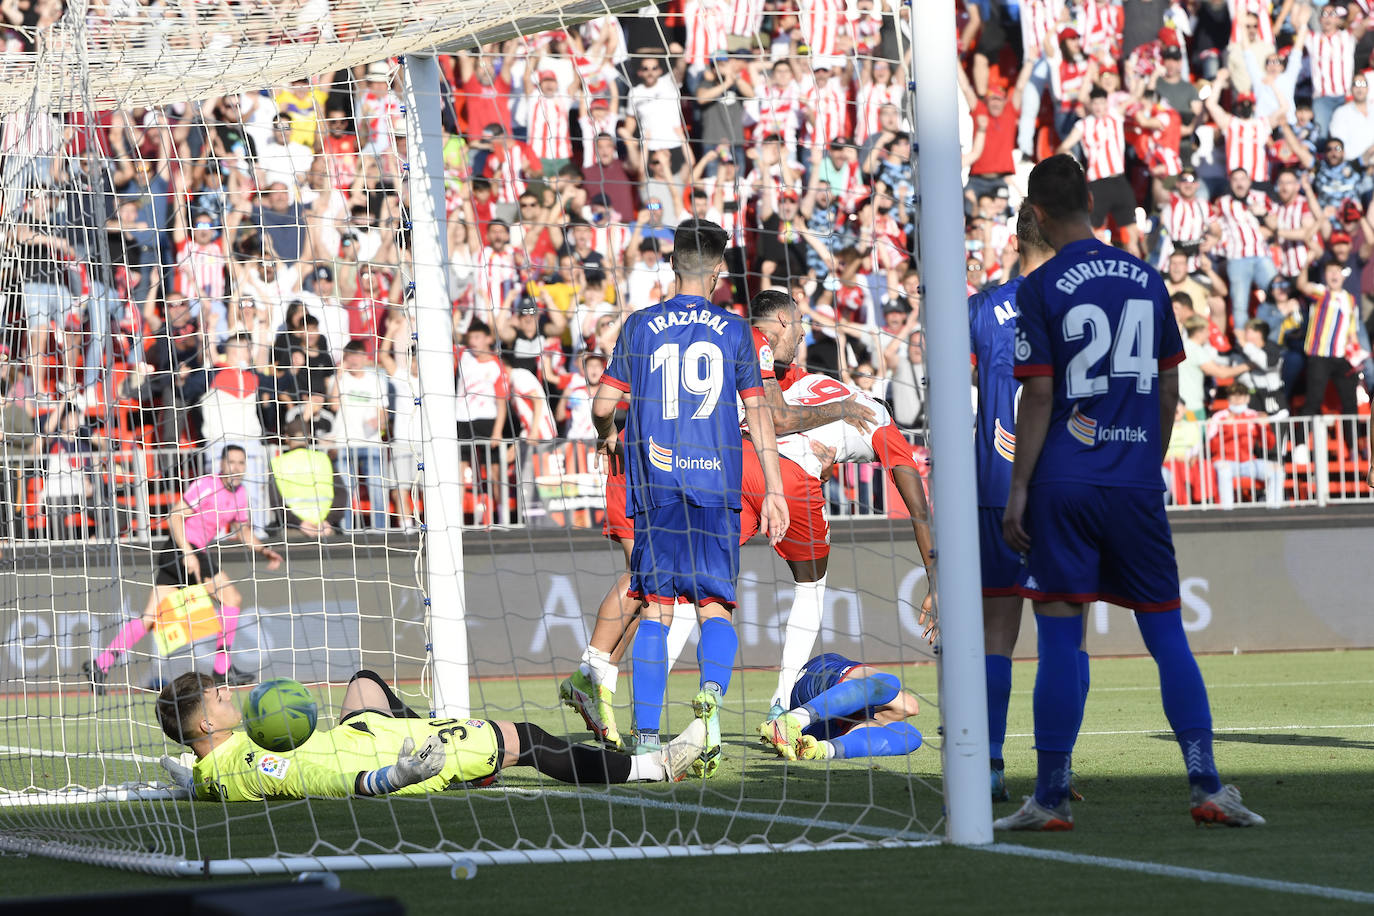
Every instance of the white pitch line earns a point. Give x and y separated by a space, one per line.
92 755
1239 728
687 808
1178 871
1211 686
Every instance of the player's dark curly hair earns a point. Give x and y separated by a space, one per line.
698 246
769 302
179 705
1028 234
1058 187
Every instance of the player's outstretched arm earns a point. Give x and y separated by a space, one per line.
773 519
798 418
411 767
1032 424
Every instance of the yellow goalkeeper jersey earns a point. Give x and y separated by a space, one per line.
328 764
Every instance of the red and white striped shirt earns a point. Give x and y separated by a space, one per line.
497 269
507 168
780 111
531 405
549 133
706 21
1101 27
1186 219
379 113
200 269
1039 24
872 97
1262 9
746 17
1244 237
1293 253
820 25
865 27
1245 147
1332 59
826 102
1066 80
1104 145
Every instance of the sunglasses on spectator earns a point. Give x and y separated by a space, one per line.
655 206
1275 61
1363 84
1188 179
648 69
1331 12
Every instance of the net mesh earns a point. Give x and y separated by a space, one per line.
210 241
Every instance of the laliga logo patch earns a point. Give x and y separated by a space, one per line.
1023 347
660 457
1082 428
766 358
274 766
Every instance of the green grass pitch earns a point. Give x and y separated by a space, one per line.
1295 732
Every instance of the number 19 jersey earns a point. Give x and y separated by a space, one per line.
683 362
1098 321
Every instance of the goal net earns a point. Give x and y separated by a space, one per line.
305 307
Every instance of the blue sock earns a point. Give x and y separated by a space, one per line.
1184 694
1085 677
893 740
1058 703
999 698
649 679
716 652
849 697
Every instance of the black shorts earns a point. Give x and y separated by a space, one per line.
171 567
1113 197
476 429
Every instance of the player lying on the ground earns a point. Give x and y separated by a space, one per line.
805 547
213 508
842 708
777 332
376 728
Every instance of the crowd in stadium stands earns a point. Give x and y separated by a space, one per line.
244 262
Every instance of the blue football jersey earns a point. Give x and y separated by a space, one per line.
1099 322
682 363
992 338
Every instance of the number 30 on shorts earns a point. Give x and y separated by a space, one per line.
1132 348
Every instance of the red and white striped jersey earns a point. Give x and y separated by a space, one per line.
496 271
1066 80
1263 10
779 112
1104 145
1101 29
1245 147
531 405
706 22
1244 235
820 25
826 102
746 17
200 269
1293 253
378 113
872 97
865 27
507 169
611 241
1186 219
1332 59
730 218
550 135
1039 25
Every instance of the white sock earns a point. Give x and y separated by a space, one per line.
647 768
599 669
679 631
799 636
802 715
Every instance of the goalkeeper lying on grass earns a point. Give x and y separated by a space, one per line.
373 750
842 708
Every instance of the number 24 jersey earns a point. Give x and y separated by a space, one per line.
1099 323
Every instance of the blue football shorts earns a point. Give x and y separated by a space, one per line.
685 554
1001 565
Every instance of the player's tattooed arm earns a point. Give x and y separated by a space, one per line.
796 418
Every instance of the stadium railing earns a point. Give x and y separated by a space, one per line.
1311 461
